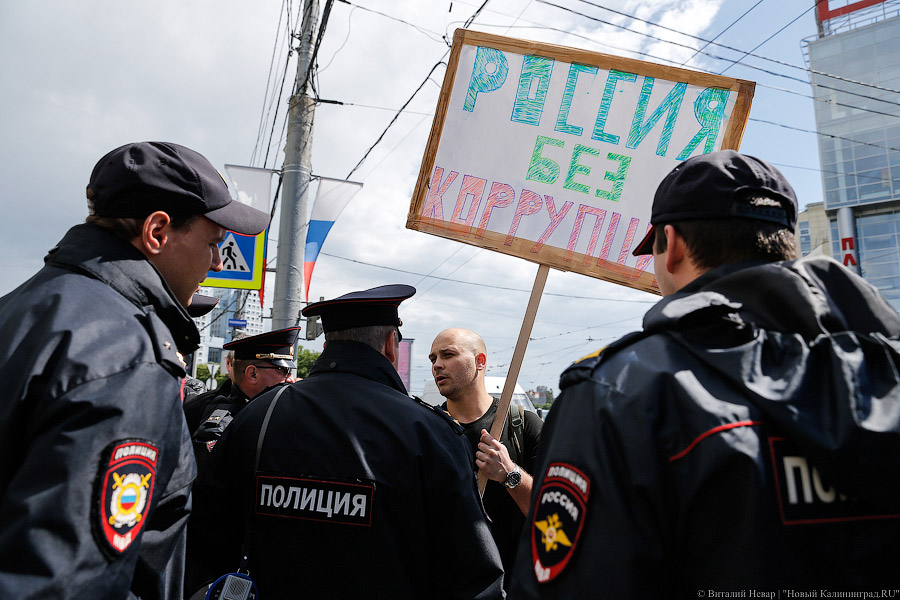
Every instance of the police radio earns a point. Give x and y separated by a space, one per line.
233 586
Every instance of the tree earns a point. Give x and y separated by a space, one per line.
221 376
305 360
202 372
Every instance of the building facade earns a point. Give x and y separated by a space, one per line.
855 73
215 329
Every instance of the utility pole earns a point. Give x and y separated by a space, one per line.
296 174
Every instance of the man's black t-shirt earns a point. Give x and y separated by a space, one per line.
506 518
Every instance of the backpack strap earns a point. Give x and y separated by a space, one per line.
517 428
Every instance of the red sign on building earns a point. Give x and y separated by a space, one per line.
829 9
848 250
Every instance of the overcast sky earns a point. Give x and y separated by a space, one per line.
81 78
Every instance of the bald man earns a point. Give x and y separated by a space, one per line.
458 363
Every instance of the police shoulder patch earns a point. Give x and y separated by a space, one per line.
123 491
558 519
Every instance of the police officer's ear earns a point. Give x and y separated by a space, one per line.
391 343
154 233
676 251
251 373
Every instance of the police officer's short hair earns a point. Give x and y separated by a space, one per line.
373 336
128 228
712 243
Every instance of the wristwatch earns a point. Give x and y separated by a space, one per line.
513 478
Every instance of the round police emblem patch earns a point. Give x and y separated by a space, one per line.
558 519
125 489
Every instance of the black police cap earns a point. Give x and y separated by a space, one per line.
718 185
375 306
276 347
201 305
137 179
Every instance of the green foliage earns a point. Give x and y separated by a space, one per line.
220 378
202 372
549 397
305 360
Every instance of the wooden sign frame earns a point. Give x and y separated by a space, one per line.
606 257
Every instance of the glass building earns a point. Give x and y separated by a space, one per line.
214 327
858 119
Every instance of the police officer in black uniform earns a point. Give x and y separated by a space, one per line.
341 485
95 458
746 442
259 362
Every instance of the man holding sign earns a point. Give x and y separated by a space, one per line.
747 438
458 362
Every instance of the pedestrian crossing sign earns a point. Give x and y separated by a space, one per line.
242 262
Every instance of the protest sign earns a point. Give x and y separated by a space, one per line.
552 154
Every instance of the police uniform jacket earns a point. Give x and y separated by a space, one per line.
360 492
95 459
195 406
747 439
217 413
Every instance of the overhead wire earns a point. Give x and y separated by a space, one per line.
818 170
291 36
826 100
468 22
402 109
277 108
326 13
396 116
766 58
480 250
663 59
426 32
721 33
263 116
399 143
750 66
708 42
344 43
762 43
486 285
667 60
828 135
475 14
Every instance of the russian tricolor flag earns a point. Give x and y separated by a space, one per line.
331 198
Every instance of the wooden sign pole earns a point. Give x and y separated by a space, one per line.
518 355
